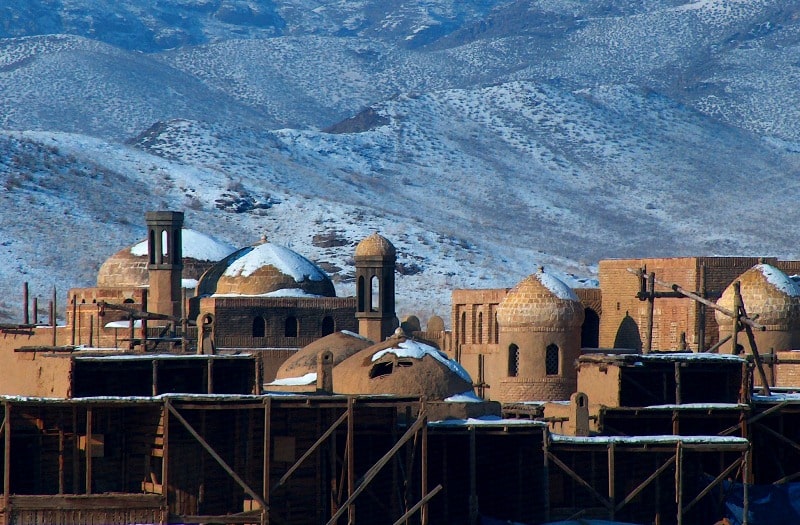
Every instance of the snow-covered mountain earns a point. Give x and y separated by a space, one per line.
483 137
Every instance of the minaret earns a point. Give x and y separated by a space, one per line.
375 260
165 261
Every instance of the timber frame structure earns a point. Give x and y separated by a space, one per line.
206 459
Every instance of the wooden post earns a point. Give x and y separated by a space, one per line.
651 303
7 461
678 396
53 304
88 450
76 452
155 377
737 306
74 316
60 454
267 451
701 311
35 310
144 321
474 516
91 330
611 482
25 311
351 463
165 453
185 335
424 463
679 481
745 485
210 375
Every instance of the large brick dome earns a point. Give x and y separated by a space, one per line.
128 267
540 301
375 246
766 292
266 269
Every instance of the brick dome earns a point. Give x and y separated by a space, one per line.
375 246
266 269
540 301
768 292
341 344
404 367
128 267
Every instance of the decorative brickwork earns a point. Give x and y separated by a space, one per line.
545 389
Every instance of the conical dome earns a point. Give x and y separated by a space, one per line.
540 301
766 292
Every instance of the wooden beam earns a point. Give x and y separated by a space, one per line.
267 460
253 494
310 451
580 480
425 499
88 449
422 419
770 410
7 459
643 485
713 484
351 463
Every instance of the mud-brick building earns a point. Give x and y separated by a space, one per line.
677 322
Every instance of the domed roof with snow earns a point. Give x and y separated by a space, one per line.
375 246
266 269
540 300
128 267
767 292
401 366
341 344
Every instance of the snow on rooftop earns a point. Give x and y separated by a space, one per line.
632 440
284 259
465 397
353 334
308 379
697 406
487 421
556 286
125 323
285 292
792 397
689 356
779 280
195 245
418 350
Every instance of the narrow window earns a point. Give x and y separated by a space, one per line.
496 330
464 328
291 327
375 293
259 326
480 327
513 360
174 248
151 246
328 326
551 360
361 294
165 248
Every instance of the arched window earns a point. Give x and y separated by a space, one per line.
175 245
259 326
291 327
375 293
328 326
151 246
551 360
361 294
480 327
513 360
165 247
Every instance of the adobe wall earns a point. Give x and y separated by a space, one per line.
35 374
624 316
600 382
468 308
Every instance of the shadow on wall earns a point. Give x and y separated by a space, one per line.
628 334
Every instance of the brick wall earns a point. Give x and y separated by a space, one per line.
545 389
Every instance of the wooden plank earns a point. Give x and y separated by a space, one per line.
713 484
574 475
419 504
643 485
253 494
87 502
310 451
